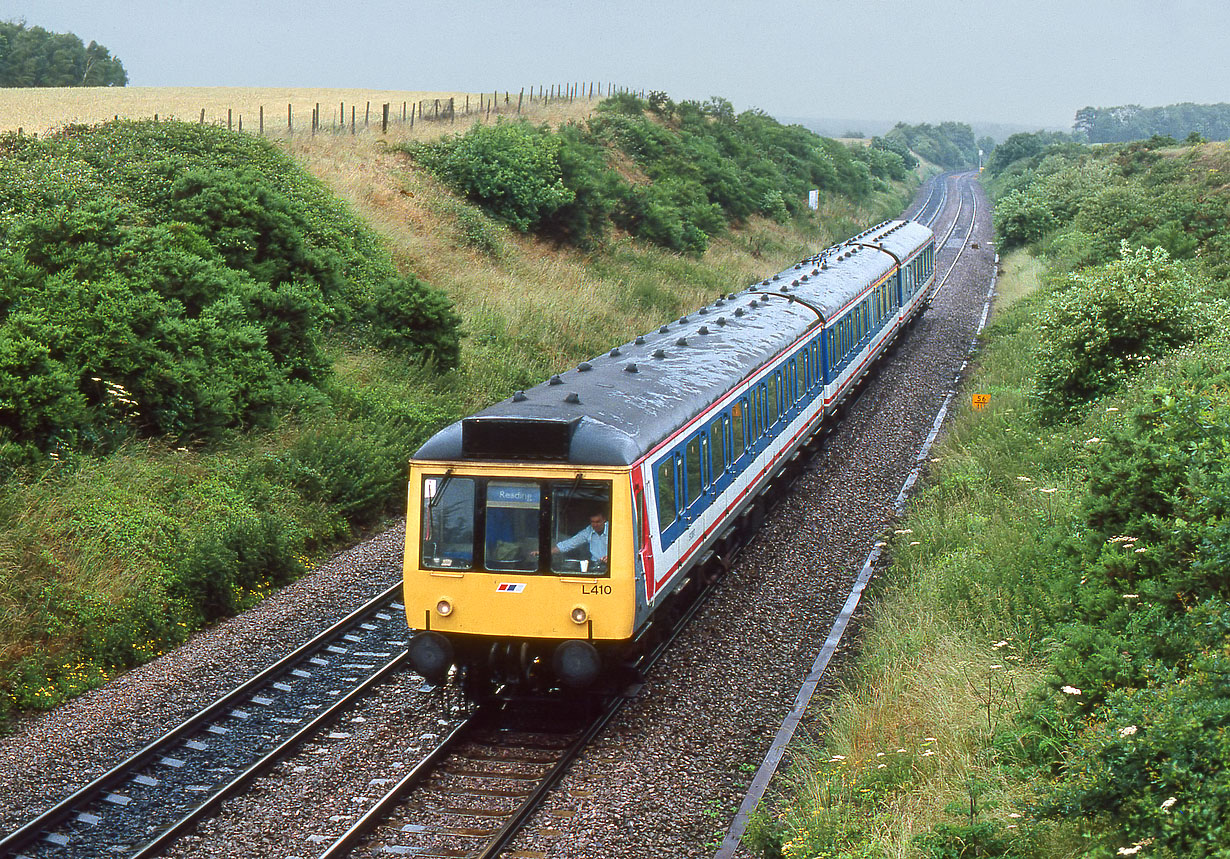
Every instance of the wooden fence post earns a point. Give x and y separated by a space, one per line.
228 119
241 123
520 98
384 121
412 108
403 111
341 114
289 124
262 120
352 122
367 115
452 109
202 116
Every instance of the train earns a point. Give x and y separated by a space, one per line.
549 535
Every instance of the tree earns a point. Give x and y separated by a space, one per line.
34 57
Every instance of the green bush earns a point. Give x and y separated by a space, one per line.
511 168
1103 324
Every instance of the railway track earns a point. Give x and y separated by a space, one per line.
140 806
470 796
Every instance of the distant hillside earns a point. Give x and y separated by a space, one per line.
34 57
1133 122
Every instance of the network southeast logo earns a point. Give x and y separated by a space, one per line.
511 587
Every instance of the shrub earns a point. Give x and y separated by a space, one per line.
512 169
414 320
1103 324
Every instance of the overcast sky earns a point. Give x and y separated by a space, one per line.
1033 62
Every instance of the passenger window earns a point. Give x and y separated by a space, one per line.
512 525
736 428
717 448
772 395
448 522
692 459
666 493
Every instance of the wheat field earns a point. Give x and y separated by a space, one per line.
37 110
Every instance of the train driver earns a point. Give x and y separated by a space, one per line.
595 534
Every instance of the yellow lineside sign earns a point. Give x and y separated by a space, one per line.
980 401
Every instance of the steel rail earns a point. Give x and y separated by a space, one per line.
964 242
63 811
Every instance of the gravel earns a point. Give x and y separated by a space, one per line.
667 775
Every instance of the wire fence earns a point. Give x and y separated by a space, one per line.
353 118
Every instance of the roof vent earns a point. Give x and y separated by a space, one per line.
721 320
519 397
777 277
794 282
640 340
798 265
738 311
704 329
815 271
615 353
803 278
555 380
584 367
572 397
682 341
659 353
683 318
703 311
719 302
664 329
631 368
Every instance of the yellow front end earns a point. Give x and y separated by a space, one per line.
491 593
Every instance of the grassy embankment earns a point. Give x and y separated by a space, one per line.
119 541
1046 665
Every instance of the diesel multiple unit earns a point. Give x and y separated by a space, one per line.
547 533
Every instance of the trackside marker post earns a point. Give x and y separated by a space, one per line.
980 401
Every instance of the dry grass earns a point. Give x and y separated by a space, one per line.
558 304
37 110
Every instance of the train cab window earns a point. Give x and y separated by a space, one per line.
448 522
691 458
737 412
717 445
512 524
666 493
580 527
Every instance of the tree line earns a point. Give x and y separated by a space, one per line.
1133 122
34 57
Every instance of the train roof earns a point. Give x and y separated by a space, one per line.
615 408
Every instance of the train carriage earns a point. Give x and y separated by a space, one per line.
548 533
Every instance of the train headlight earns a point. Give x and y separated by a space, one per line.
579 615
444 608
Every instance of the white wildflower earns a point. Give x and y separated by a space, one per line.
1128 731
